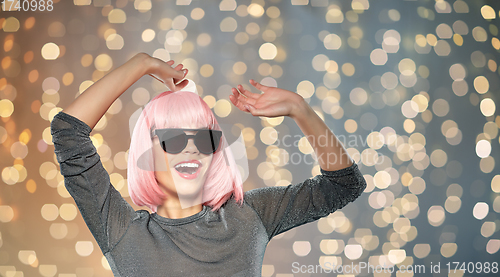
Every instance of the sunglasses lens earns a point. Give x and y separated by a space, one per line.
207 141
173 141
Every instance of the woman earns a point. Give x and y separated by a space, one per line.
192 234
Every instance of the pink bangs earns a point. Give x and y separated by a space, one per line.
178 110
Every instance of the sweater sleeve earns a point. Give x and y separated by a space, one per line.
104 210
283 208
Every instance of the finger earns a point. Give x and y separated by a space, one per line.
250 99
247 93
185 72
181 85
241 107
170 84
176 73
178 67
236 94
232 99
179 72
237 103
166 71
239 96
258 85
251 109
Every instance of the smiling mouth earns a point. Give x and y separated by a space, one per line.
187 168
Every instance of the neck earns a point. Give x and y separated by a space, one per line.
175 210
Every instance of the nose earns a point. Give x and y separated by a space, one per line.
191 147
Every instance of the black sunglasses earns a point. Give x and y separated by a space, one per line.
173 141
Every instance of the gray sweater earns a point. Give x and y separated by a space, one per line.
228 242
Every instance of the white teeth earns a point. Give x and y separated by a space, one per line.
195 165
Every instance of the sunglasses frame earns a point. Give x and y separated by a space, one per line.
215 136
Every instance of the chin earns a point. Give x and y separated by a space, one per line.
188 187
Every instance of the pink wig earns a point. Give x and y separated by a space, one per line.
176 110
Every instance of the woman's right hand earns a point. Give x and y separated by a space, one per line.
172 77
91 105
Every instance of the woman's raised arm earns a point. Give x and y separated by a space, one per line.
274 102
91 105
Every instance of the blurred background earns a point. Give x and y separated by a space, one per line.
410 88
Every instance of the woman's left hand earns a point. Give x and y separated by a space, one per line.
272 102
